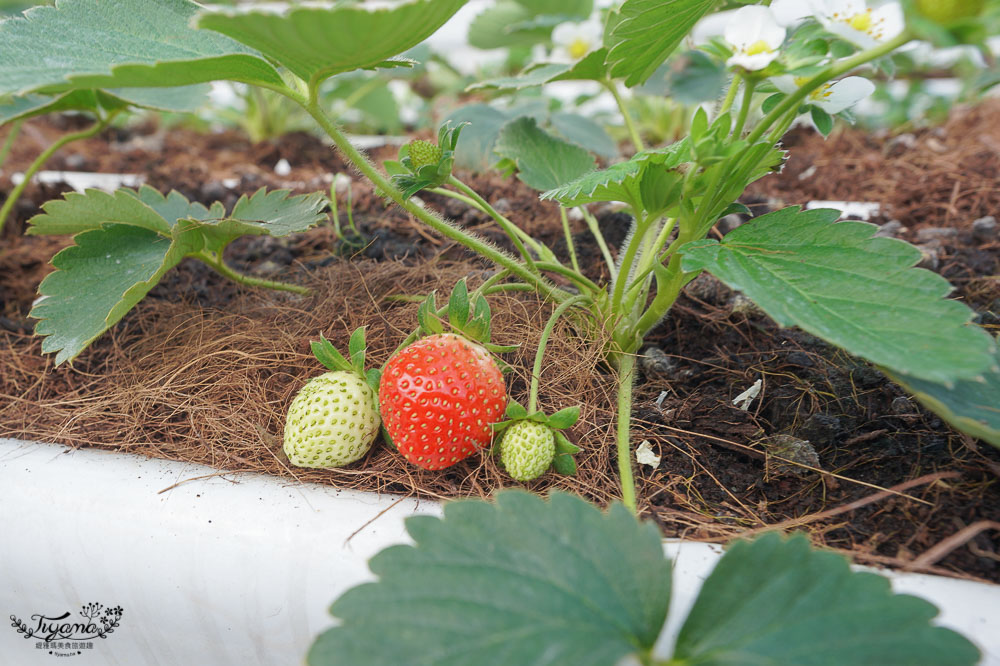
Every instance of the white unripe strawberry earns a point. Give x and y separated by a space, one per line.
527 449
332 421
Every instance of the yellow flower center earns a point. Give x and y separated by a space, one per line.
760 46
578 48
861 22
821 93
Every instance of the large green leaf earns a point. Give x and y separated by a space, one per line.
971 405
776 601
97 281
858 292
621 181
579 9
543 161
648 32
127 240
125 43
475 145
522 581
317 42
531 77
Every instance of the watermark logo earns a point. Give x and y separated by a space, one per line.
65 635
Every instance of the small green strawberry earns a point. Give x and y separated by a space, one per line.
333 419
527 449
423 153
949 11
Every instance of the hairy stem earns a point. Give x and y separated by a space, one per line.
448 231
8 143
626 377
625 270
536 371
509 227
569 238
214 260
633 131
741 119
40 161
731 95
595 231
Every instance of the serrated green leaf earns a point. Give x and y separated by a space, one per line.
328 355
563 463
544 162
97 281
970 405
858 292
530 78
427 316
592 67
648 32
264 213
315 43
27 106
77 212
564 418
126 43
560 583
777 601
621 181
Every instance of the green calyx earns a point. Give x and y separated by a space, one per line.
423 164
332 359
467 317
562 462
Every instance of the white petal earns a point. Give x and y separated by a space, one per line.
844 31
842 8
564 33
790 12
785 83
889 19
844 94
753 62
752 24
713 25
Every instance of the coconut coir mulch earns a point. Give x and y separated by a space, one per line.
203 371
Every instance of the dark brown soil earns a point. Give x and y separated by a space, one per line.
203 371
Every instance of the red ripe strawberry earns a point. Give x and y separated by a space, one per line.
438 399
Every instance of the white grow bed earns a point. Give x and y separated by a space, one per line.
240 569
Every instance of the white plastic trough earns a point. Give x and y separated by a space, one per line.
216 569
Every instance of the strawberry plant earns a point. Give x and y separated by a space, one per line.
559 582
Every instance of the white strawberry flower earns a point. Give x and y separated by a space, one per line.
832 97
755 37
852 20
572 41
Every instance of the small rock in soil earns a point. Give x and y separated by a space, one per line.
213 191
822 429
990 315
898 145
728 223
891 229
708 288
866 377
928 234
503 206
902 405
739 304
800 359
656 364
984 229
791 450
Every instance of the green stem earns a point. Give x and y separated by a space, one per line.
350 210
40 161
579 279
625 270
830 72
333 210
595 230
448 231
214 260
633 132
626 377
536 371
8 143
569 239
667 291
741 119
509 227
731 95
647 262
362 90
